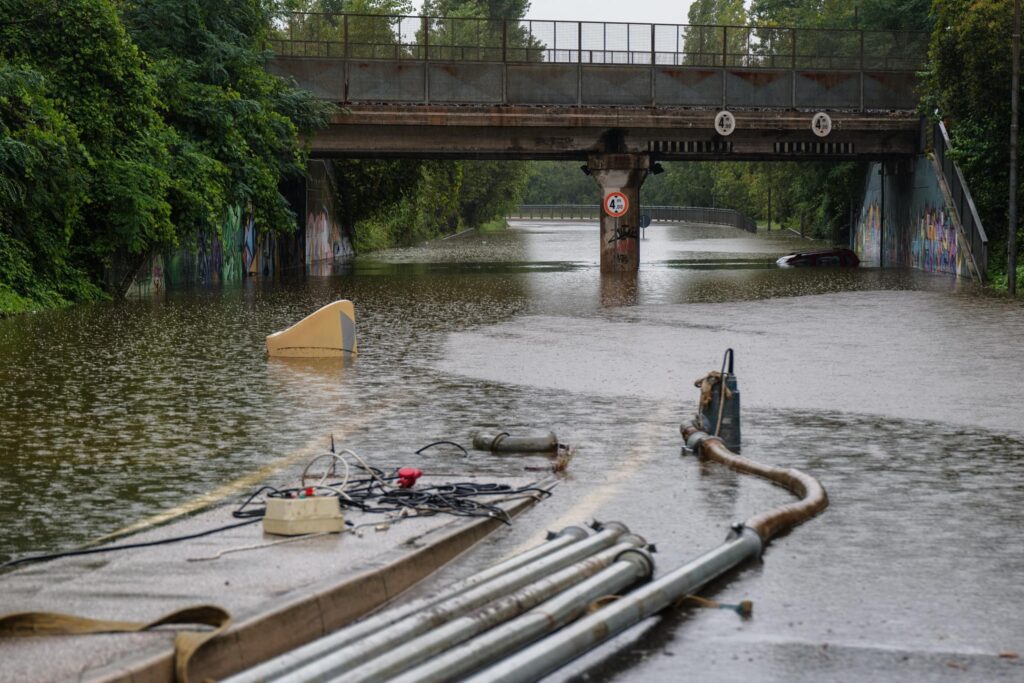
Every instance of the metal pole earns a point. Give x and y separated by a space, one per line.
460 660
635 564
569 643
336 664
1011 237
568 544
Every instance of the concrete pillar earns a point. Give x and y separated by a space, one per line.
620 236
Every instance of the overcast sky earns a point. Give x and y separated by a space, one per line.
637 11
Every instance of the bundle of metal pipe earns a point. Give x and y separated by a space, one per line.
632 563
746 541
377 633
455 662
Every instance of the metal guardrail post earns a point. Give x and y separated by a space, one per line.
792 74
654 100
725 49
862 70
579 64
426 60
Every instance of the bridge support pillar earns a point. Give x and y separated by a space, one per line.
620 235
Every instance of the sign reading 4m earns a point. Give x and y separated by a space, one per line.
616 204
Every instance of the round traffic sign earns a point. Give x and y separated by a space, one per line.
821 124
725 123
616 204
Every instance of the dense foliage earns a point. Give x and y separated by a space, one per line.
130 126
968 84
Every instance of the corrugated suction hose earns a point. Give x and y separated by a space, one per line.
770 523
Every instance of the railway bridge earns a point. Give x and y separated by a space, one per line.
619 97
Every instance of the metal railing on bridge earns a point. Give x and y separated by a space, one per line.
784 66
962 200
678 214
362 36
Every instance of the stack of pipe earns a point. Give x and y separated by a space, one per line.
542 589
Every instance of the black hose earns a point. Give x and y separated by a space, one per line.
126 546
448 443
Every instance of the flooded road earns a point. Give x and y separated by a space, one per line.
894 388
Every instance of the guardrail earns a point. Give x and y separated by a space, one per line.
417 59
677 214
365 36
962 200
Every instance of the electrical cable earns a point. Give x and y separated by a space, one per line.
126 546
439 443
373 494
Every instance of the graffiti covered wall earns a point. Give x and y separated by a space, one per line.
213 259
240 250
326 243
908 223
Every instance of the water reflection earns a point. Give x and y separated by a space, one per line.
619 289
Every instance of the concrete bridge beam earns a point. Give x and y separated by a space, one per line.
620 235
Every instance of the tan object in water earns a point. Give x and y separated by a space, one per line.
330 331
706 384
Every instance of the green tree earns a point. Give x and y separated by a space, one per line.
99 83
968 84
109 151
237 126
42 174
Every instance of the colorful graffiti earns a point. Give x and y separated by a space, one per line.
238 250
323 236
326 242
867 235
918 229
934 245
215 259
258 251
149 281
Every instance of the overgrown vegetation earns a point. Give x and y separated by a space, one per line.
968 84
129 126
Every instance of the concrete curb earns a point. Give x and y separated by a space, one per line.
308 614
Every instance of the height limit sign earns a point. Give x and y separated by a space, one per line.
616 204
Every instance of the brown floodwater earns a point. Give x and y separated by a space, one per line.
901 391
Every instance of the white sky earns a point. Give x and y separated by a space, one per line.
637 11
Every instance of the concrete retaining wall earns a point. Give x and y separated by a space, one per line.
910 222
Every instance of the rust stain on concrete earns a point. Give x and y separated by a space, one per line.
828 80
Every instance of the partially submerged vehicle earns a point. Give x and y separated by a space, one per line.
840 257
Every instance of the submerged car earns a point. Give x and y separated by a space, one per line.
825 257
